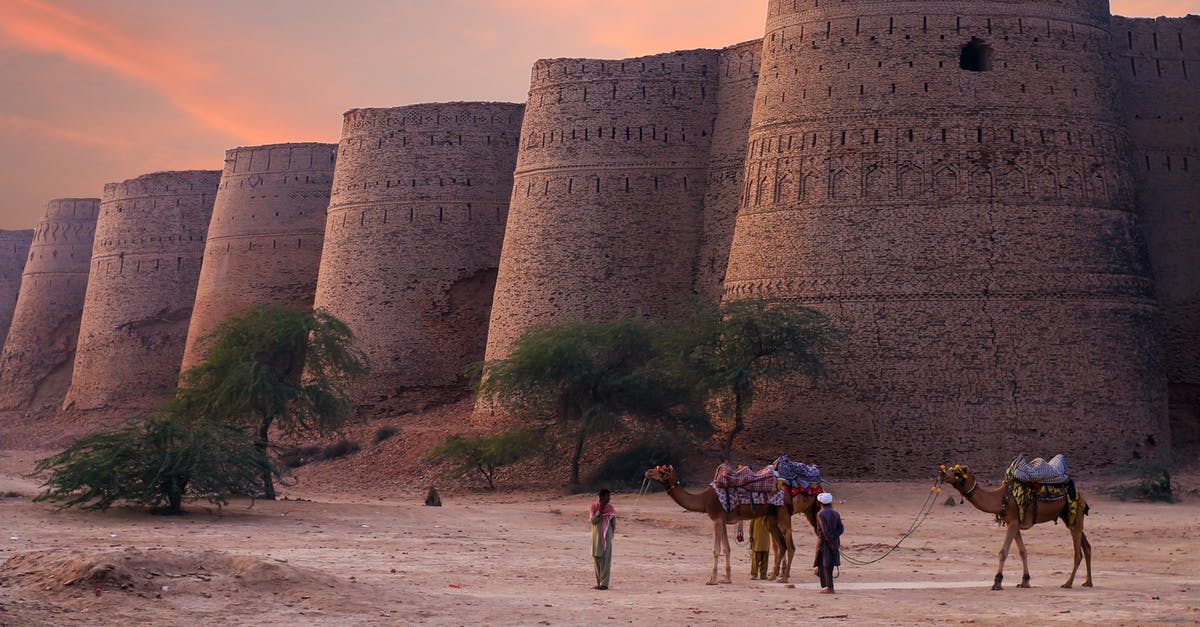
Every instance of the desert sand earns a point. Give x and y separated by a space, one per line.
378 556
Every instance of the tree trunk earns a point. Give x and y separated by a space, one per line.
263 445
578 454
739 425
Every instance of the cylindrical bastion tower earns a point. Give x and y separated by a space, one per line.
35 369
14 248
949 181
144 270
264 241
608 199
412 240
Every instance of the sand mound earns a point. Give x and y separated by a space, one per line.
156 571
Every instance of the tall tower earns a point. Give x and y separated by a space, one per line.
35 369
14 248
264 241
142 283
412 240
1158 61
608 198
949 181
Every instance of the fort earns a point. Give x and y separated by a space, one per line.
264 239
996 199
412 242
145 267
35 367
14 248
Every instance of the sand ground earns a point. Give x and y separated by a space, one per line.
321 558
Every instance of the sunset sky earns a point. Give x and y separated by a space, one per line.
93 91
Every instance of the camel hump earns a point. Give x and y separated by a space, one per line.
1051 472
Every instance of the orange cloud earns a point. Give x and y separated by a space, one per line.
23 125
182 80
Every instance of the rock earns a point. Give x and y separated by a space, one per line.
432 499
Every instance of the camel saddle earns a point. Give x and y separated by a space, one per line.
1040 471
743 486
797 475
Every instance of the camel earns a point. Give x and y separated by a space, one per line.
779 520
1000 502
806 503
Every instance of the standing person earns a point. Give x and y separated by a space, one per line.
604 525
829 543
760 548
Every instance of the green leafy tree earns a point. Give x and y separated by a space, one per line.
156 463
275 366
581 376
728 352
485 454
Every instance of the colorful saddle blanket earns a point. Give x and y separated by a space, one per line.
796 474
1040 471
743 486
730 498
743 478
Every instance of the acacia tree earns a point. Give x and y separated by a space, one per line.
158 463
486 454
276 366
728 352
581 376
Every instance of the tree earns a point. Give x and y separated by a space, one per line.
486 454
582 376
729 351
277 366
157 463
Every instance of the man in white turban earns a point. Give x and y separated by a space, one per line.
829 544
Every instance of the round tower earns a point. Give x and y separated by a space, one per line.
264 241
608 198
35 369
412 240
949 182
14 248
142 282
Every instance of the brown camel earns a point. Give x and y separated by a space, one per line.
806 503
1000 502
779 520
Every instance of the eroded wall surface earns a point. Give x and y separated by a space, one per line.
1158 64
412 240
144 270
974 231
264 240
35 367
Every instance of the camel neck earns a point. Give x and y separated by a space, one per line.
984 500
687 500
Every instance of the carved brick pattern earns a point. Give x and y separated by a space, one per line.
14 249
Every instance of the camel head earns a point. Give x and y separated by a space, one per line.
663 474
957 475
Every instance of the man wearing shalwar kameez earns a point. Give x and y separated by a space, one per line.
829 543
604 525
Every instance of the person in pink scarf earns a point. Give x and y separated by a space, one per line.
604 525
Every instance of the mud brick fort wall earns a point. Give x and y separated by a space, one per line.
264 240
975 230
1158 64
35 369
14 248
412 239
144 270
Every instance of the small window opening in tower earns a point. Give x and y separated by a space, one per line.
976 56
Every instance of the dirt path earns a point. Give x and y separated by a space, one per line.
521 559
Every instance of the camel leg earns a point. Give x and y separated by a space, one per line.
1024 561
1013 530
785 530
1087 556
778 557
725 545
718 531
1077 539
